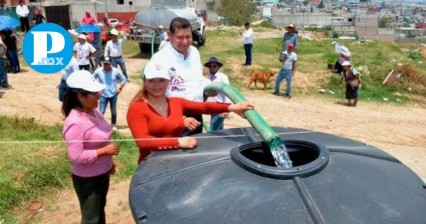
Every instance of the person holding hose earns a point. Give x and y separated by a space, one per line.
156 120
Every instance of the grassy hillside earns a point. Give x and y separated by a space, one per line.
379 57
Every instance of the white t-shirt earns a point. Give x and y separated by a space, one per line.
248 36
186 73
22 10
288 59
83 50
219 77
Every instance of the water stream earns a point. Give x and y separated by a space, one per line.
281 157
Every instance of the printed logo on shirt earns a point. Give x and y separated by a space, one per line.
47 48
175 82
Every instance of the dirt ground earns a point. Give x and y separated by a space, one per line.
400 131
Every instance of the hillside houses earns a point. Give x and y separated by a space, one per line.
375 19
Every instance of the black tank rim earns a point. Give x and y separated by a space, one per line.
306 170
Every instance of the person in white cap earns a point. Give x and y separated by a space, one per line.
113 50
290 36
114 82
353 81
84 51
89 146
156 120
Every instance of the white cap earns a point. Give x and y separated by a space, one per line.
114 32
156 71
82 36
84 80
161 26
346 63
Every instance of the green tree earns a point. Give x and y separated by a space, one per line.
384 22
236 11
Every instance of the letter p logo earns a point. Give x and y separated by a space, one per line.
40 45
48 48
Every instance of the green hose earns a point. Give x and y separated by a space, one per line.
271 138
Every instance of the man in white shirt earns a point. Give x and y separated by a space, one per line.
184 68
84 52
22 11
214 75
113 50
247 36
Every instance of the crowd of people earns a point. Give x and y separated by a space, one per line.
163 115
288 60
9 55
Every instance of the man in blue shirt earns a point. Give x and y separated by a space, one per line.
114 81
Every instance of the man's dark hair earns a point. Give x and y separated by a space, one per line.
179 23
246 24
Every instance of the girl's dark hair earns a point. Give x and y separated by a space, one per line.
179 23
71 101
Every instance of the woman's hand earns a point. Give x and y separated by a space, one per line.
111 149
239 108
187 142
190 123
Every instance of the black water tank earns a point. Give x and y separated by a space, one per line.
230 178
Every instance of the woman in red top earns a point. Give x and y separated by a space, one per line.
156 120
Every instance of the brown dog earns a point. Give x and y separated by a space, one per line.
260 76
